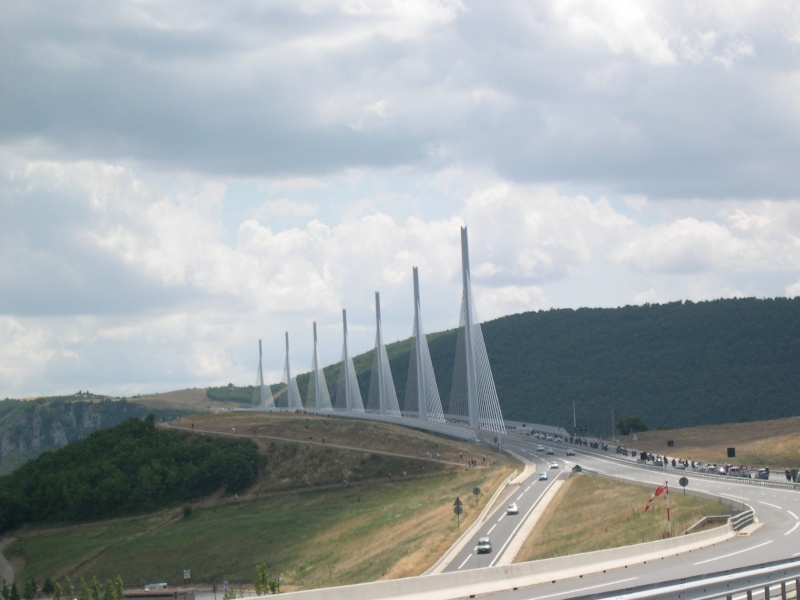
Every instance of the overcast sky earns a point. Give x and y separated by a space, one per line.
181 179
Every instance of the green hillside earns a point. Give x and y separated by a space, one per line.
130 468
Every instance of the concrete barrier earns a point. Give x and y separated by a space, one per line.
446 586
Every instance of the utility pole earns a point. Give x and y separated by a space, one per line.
612 422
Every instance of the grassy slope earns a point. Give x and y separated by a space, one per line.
760 443
312 538
581 518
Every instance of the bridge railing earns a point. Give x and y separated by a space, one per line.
780 579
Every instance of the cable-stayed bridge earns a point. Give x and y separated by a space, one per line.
473 400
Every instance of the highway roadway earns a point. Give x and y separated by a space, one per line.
775 537
502 527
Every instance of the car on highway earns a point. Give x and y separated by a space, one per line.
484 545
570 452
543 476
554 465
540 448
513 509
550 451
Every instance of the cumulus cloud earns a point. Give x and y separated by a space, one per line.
179 179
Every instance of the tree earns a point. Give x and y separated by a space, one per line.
84 593
5 592
14 593
95 588
48 588
69 590
57 595
631 425
262 579
118 588
29 589
264 583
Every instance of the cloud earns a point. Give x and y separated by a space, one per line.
180 179
647 99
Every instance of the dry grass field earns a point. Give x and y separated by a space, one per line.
591 513
189 399
349 433
774 444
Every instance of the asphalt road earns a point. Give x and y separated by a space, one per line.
501 527
776 537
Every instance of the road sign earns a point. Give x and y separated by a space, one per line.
684 482
458 509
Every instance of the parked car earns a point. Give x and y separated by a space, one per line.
484 545
513 509
762 474
543 476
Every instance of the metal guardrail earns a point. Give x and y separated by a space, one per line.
743 519
780 579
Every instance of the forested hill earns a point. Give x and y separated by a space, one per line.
674 365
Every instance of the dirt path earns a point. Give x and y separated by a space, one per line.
6 570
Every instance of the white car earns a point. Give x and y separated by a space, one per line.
512 509
484 545
554 465
543 476
540 448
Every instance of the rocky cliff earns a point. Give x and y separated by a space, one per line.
30 428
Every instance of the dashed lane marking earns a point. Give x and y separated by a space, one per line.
702 562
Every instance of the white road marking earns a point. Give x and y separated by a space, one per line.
796 525
594 587
739 498
794 516
491 529
702 562
772 505
465 561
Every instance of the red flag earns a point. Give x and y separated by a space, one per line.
658 492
